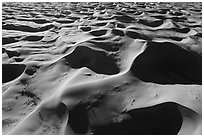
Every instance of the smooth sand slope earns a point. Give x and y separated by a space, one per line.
102 68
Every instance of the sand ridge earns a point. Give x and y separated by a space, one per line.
110 68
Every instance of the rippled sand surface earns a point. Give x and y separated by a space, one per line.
101 68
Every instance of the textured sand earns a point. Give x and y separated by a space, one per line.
101 68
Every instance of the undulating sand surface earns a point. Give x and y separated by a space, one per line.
101 68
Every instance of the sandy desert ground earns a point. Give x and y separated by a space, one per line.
101 68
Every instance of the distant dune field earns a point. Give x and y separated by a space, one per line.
101 68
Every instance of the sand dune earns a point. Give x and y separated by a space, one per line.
101 68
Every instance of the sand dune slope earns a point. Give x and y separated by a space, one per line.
101 68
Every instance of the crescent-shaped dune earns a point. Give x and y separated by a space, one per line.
101 68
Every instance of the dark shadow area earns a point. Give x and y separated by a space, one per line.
178 19
25 28
159 17
175 13
36 20
11 53
99 24
181 30
61 110
121 25
73 17
85 28
98 61
167 63
17 59
33 38
65 21
118 32
176 38
11 71
124 18
199 34
98 32
8 40
136 35
161 119
30 71
155 23
104 18
78 119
